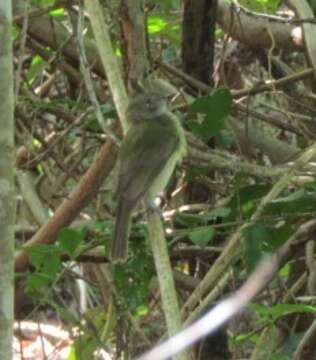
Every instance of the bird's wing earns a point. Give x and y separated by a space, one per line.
143 155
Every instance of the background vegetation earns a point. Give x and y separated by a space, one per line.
244 78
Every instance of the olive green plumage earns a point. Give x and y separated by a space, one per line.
153 145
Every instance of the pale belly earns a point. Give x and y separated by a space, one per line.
163 178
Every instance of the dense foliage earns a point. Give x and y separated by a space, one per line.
240 182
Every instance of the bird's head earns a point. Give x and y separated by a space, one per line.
146 106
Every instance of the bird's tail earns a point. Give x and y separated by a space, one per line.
121 232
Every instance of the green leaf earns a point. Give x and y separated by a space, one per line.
300 201
15 32
196 129
35 282
156 24
142 311
221 212
253 237
245 199
285 271
160 26
259 240
275 312
47 265
69 240
188 220
44 258
217 103
58 13
85 346
194 220
72 354
216 108
277 237
202 237
36 68
133 279
219 33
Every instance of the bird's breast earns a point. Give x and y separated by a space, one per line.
180 151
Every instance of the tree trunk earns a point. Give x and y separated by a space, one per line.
7 202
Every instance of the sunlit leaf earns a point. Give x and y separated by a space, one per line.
156 24
36 68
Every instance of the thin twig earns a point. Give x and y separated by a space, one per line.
84 67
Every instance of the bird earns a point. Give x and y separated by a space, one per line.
154 144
